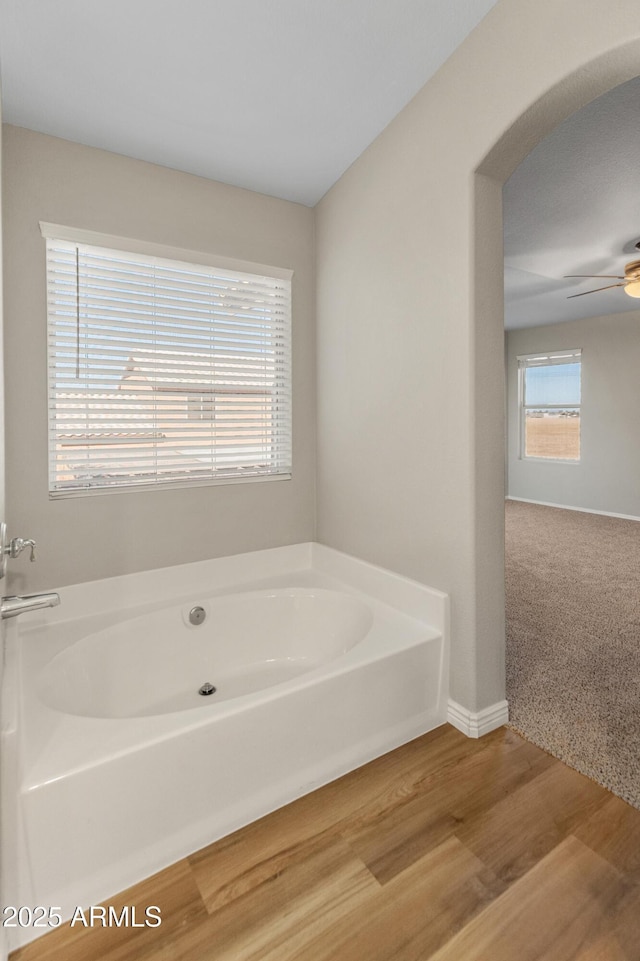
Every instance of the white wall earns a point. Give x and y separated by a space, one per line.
606 478
96 536
410 341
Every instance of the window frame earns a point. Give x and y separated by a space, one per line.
553 358
126 245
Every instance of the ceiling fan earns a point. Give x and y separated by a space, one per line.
630 280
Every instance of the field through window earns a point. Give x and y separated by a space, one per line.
553 434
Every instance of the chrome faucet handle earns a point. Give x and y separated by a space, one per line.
12 548
18 544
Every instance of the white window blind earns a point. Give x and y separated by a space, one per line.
546 360
164 372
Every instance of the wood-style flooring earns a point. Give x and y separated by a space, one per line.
446 849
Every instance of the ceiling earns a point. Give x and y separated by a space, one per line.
573 207
279 96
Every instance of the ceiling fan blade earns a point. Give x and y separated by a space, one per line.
595 291
611 276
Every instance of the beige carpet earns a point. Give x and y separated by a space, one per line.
573 639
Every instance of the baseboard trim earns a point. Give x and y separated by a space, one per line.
476 724
568 507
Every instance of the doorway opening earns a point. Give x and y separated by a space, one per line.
572 629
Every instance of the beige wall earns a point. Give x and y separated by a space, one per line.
410 342
96 536
606 478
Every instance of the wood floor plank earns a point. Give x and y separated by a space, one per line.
517 832
412 915
281 919
234 865
567 908
397 838
613 831
173 890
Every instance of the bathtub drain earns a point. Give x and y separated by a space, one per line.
207 689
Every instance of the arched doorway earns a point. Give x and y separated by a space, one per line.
594 78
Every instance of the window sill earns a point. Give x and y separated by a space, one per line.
175 485
550 460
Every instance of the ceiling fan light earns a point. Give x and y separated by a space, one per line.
633 289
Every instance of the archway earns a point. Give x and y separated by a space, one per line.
593 79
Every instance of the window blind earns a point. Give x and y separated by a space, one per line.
164 372
544 360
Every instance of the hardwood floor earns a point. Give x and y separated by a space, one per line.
446 849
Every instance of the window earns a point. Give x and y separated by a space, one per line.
549 390
163 371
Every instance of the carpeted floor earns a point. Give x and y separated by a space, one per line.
573 639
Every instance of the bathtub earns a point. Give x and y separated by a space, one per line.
119 759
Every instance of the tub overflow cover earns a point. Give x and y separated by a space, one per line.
197 615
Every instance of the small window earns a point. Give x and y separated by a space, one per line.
550 397
163 372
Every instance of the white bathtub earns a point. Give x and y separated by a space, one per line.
119 766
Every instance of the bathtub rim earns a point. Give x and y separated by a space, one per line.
127 591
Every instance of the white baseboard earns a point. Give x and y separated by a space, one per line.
568 507
476 724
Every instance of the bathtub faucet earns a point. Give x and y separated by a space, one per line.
20 603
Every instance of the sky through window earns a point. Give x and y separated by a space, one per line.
556 384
